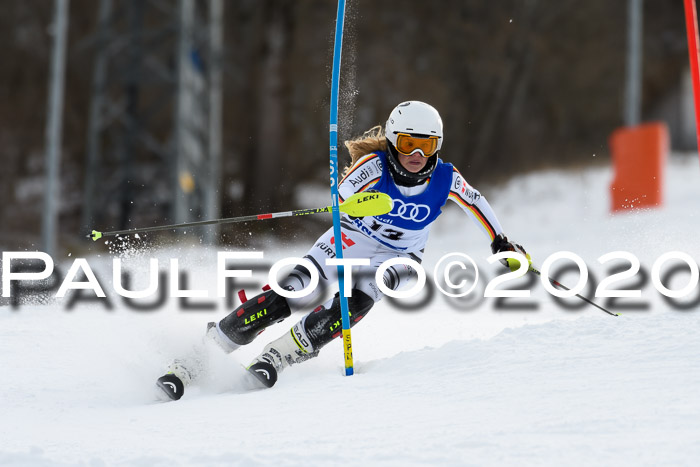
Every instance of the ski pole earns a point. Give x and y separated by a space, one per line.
561 286
358 205
333 149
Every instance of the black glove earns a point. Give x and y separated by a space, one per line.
501 243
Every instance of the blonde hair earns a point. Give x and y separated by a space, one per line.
371 140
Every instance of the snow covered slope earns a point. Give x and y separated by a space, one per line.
435 386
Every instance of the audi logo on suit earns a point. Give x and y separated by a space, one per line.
410 211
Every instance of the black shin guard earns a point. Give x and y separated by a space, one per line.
252 317
324 324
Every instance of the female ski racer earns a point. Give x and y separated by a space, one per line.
401 161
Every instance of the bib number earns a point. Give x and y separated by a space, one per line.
386 232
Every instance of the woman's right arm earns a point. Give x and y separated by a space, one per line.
361 177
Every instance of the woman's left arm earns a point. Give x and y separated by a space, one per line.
475 205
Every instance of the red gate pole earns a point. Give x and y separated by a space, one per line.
691 22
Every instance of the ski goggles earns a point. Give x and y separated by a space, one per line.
407 144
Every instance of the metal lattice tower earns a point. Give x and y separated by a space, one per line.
154 138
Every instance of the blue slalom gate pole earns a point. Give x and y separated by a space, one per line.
335 84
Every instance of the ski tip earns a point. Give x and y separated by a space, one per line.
349 371
95 235
171 387
264 372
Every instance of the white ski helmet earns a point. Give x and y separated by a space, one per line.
416 119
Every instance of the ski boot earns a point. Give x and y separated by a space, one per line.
291 348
